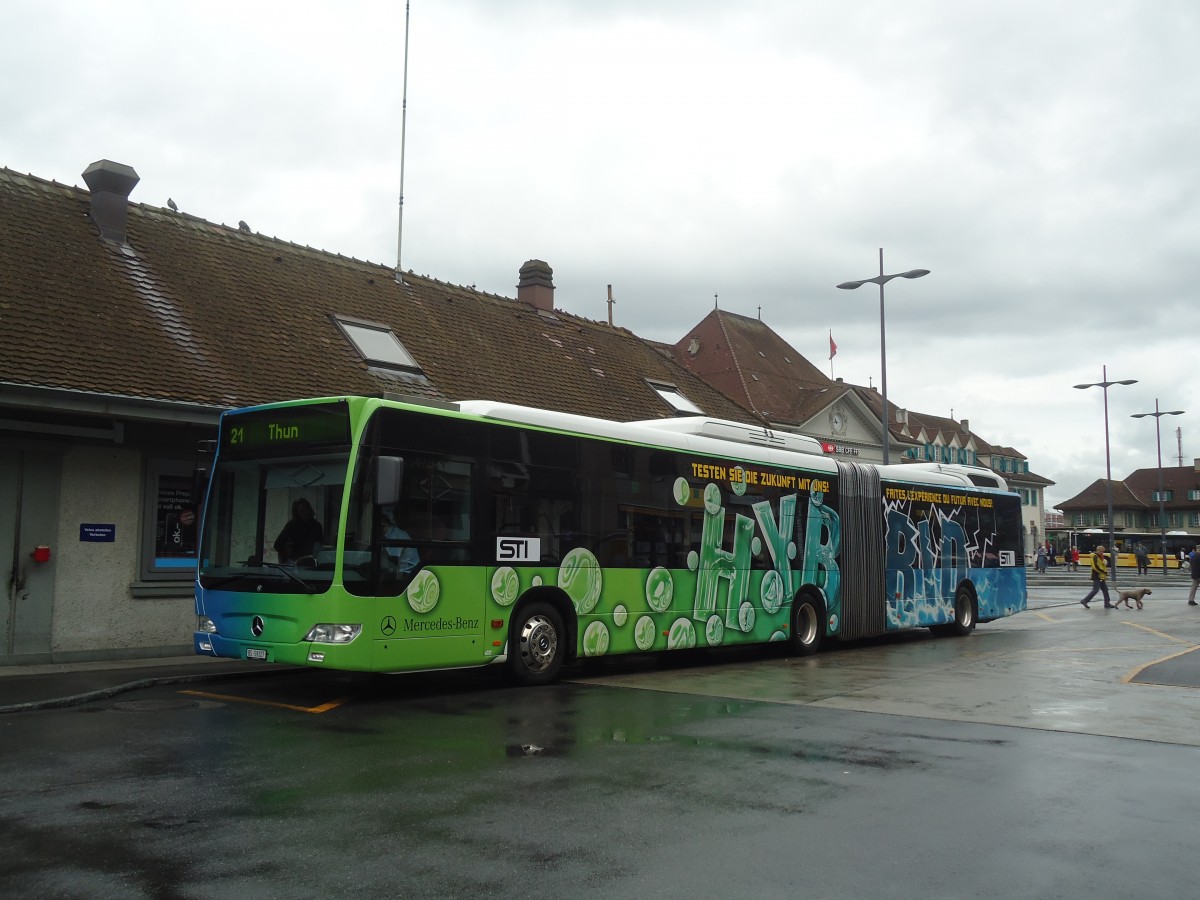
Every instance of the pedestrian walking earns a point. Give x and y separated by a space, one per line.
1100 578
1195 576
1041 560
1074 552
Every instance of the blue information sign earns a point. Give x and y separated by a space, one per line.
97 534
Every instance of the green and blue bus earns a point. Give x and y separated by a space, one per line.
481 533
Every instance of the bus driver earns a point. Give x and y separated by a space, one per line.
302 536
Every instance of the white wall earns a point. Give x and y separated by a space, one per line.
93 608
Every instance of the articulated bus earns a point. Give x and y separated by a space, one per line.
480 533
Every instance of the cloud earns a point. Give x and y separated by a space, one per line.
1035 157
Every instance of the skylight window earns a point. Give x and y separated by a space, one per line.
674 398
377 344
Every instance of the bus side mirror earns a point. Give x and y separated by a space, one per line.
389 475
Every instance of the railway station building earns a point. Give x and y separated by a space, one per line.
127 328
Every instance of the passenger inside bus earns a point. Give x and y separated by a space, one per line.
302 536
402 559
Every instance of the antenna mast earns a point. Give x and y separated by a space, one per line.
403 130
1179 445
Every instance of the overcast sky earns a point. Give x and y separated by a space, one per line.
1041 158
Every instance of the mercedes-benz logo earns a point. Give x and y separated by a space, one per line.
256 626
388 625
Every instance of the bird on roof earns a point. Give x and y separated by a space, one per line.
242 226
172 205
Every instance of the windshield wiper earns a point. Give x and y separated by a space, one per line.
290 574
308 588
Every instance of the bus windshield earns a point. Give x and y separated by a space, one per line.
273 520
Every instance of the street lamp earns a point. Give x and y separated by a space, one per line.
881 280
1106 384
1162 522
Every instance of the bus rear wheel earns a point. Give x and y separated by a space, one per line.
808 625
964 616
537 644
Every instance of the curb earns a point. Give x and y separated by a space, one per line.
112 691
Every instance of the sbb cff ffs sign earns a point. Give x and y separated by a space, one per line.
518 549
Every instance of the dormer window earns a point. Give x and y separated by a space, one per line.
377 344
674 398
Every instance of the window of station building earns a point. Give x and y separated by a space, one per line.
377 344
170 521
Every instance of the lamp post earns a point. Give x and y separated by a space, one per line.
1162 522
1106 384
881 280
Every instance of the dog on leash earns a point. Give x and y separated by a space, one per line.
1135 595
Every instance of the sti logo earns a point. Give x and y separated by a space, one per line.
518 549
1008 558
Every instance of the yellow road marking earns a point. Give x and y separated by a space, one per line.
1045 617
1133 673
1161 634
324 707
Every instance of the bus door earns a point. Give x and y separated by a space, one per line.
410 557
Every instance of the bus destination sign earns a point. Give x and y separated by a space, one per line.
292 426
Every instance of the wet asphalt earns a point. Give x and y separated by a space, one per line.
1048 755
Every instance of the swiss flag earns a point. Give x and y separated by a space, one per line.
832 346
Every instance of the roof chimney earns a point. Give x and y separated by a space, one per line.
111 184
536 285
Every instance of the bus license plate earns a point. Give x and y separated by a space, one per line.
255 653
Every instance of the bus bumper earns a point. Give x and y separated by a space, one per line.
208 644
354 656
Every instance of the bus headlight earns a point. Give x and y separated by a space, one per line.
333 634
207 625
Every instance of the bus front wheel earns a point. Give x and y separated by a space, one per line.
808 625
537 644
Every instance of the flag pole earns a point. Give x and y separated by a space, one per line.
403 129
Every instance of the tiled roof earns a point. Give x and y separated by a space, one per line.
1138 489
201 313
1095 496
1177 481
752 364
